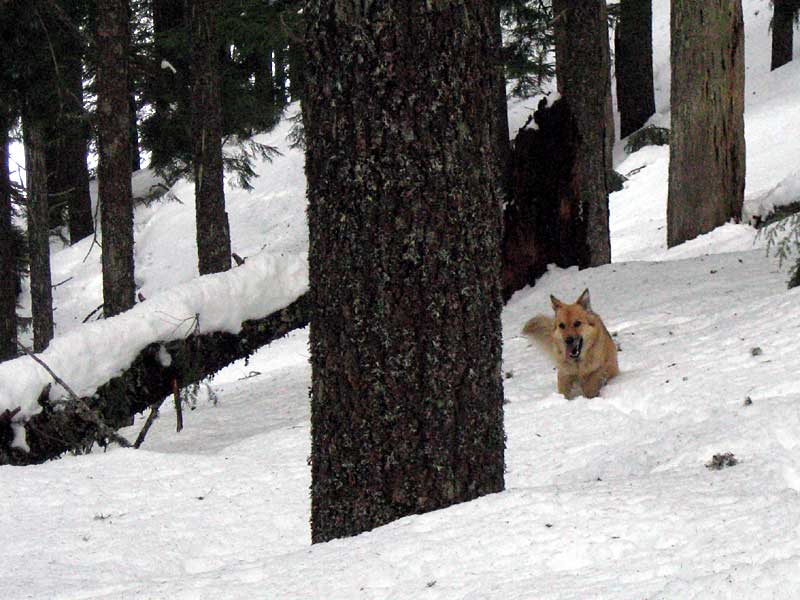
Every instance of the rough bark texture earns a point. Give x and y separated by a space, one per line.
8 278
53 432
634 65
114 166
405 221
536 232
38 233
707 146
783 17
584 82
213 233
503 144
68 180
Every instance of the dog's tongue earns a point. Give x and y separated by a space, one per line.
576 350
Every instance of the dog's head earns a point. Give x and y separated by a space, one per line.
575 326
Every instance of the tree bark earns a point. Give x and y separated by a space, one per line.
405 222
584 82
8 252
114 167
68 180
145 383
38 233
502 141
172 84
136 159
542 167
707 145
213 232
634 65
783 17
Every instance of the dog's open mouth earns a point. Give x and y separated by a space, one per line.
575 349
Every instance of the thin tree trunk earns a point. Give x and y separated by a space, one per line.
213 233
404 223
68 179
783 16
707 145
114 167
136 160
584 82
38 233
8 252
172 81
634 65
503 144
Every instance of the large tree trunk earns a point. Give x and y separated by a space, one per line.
38 233
405 221
783 16
584 82
707 146
213 232
8 252
634 65
114 167
66 428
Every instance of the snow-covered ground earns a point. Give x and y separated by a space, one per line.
606 498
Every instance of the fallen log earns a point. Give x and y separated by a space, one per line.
64 426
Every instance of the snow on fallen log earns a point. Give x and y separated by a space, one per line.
125 363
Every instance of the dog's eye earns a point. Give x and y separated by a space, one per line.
577 324
561 326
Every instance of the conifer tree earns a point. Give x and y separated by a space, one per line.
404 225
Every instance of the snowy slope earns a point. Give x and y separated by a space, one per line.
606 498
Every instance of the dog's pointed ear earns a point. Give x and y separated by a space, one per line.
555 302
585 300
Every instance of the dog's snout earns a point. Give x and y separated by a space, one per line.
569 340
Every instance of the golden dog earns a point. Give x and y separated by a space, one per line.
579 343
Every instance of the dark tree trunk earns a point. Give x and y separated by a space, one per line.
584 82
707 145
213 233
114 166
172 81
8 253
543 161
405 222
502 143
783 16
67 148
634 65
136 159
38 233
281 57
297 69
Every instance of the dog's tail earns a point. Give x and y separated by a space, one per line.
539 330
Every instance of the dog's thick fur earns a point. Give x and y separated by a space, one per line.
579 343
